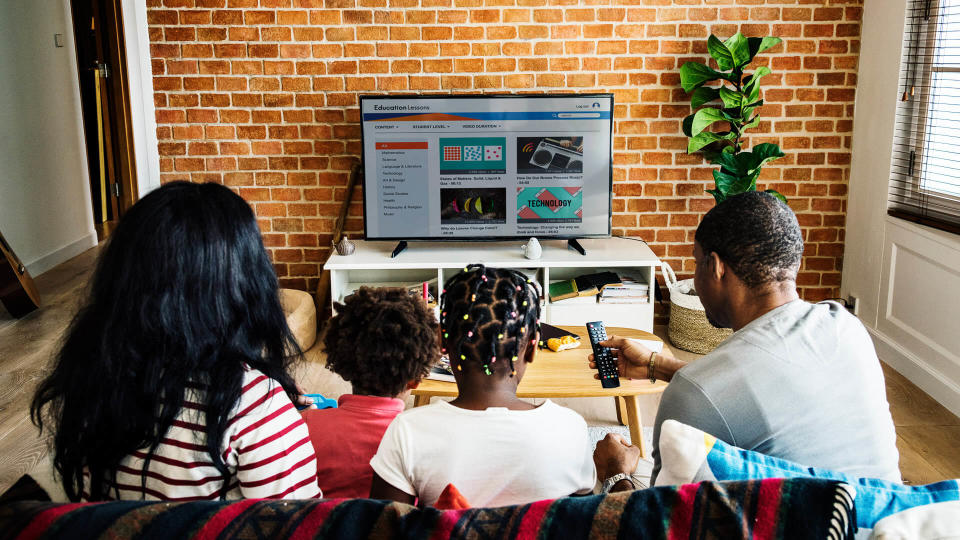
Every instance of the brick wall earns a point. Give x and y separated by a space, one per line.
262 96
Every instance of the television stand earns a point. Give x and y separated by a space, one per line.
573 244
435 262
401 245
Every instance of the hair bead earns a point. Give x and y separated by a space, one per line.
470 333
466 316
499 336
493 359
459 367
463 357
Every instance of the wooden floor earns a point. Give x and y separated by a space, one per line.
927 434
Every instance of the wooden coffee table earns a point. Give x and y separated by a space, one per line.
566 374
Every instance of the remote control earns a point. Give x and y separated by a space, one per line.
609 375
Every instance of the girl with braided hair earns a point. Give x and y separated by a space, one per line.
495 448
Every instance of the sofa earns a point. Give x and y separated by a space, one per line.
761 509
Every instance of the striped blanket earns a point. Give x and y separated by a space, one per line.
760 509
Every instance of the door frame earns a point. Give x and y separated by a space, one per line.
118 120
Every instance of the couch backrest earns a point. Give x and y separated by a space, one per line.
772 508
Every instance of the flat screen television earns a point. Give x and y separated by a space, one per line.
487 167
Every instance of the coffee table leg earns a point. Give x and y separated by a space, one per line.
618 403
636 427
420 399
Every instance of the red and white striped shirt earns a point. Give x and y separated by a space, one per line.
266 448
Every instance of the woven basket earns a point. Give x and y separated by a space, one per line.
689 328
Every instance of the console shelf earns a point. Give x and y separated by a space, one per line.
371 264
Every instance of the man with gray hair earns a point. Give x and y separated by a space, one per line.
797 381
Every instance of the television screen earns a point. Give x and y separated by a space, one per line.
487 167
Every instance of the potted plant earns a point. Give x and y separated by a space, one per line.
735 102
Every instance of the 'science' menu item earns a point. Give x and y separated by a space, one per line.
487 167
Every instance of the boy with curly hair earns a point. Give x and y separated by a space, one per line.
383 341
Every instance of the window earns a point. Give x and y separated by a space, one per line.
925 186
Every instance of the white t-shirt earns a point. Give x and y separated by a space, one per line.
495 457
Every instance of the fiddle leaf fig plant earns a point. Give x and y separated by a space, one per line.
735 103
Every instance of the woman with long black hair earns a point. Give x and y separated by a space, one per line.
173 379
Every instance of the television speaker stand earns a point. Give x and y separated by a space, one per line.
401 245
573 244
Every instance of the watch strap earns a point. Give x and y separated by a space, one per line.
612 481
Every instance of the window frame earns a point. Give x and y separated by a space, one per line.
921 124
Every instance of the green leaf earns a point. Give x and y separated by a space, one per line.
776 194
725 183
703 95
747 114
717 195
751 124
719 51
764 152
752 88
687 125
758 45
704 118
728 161
706 137
739 47
731 98
694 74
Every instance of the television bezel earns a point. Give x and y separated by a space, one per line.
363 157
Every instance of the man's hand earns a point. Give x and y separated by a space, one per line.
633 360
614 455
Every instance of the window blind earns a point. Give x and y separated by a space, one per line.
925 179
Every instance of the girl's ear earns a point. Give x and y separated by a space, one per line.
531 351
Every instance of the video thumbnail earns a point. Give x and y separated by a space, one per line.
550 205
473 155
473 205
561 154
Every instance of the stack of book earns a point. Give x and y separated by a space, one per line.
630 291
587 285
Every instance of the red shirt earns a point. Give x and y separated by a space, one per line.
346 438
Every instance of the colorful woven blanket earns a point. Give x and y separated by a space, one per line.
761 509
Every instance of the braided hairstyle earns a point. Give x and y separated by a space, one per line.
488 317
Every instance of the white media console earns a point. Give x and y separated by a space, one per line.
435 262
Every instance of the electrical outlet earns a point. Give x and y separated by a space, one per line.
853 304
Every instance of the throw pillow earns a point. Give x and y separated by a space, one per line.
690 455
451 499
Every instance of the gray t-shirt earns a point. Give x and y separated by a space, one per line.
802 383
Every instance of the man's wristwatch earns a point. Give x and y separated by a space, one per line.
612 481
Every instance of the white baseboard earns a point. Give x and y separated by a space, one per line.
62 254
937 385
